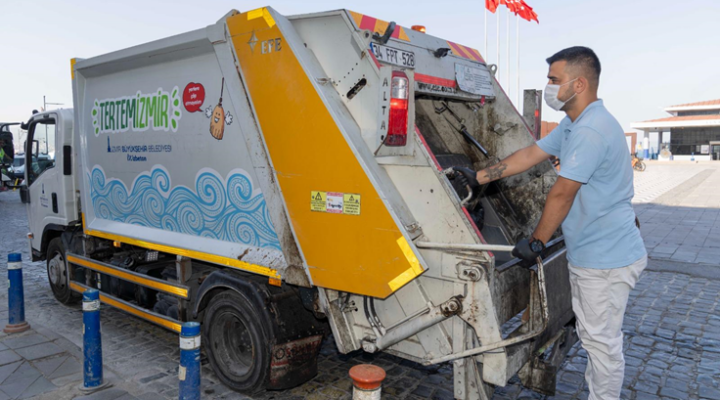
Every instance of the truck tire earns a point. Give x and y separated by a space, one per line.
238 342
57 273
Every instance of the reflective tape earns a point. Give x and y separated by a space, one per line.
189 343
91 305
15 265
359 394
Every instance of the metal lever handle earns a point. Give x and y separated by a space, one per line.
386 36
469 196
464 247
450 173
474 141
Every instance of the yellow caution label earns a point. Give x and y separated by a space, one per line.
351 204
335 202
318 201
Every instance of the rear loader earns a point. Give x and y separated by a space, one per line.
271 176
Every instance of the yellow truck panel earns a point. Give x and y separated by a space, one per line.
361 252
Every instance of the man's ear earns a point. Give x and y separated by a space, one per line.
581 84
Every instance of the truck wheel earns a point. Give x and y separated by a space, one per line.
57 273
237 341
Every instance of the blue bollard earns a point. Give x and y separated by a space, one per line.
16 298
92 342
189 372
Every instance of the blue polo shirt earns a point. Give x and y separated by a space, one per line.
600 229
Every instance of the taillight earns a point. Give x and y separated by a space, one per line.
398 124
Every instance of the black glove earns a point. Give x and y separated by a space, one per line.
527 250
466 177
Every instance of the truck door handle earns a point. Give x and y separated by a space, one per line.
67 160
54 203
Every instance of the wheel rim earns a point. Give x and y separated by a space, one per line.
232 344
56 271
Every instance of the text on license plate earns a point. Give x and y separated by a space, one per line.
393 56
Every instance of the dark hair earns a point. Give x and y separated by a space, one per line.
579 56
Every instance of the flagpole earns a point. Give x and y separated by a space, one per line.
507 51
497 59
517 53
485 54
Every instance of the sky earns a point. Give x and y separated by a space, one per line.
654 53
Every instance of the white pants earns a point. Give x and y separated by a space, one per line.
599 298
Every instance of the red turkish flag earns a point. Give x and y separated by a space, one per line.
524 11
512 5
492 5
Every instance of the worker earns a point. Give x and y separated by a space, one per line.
591 198
5 161
6 148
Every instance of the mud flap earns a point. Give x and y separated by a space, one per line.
294 363
540 373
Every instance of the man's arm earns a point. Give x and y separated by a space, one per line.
519 161
557 206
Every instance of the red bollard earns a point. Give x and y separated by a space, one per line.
367 381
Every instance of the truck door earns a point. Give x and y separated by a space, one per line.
45 171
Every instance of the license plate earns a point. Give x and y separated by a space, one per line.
393 56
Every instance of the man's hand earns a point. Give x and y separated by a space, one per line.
466 177
528 250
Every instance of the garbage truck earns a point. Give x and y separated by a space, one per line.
282 178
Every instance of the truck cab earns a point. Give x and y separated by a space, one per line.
49 189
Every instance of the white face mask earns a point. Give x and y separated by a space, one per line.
551 96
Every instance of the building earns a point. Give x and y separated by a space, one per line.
631 139
547 127
692 131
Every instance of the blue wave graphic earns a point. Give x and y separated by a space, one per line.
219 209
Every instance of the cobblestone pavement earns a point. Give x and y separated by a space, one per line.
672 342
32 364
681 223
40 364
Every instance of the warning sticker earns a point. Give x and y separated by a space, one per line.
351 204
334 202
318 201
